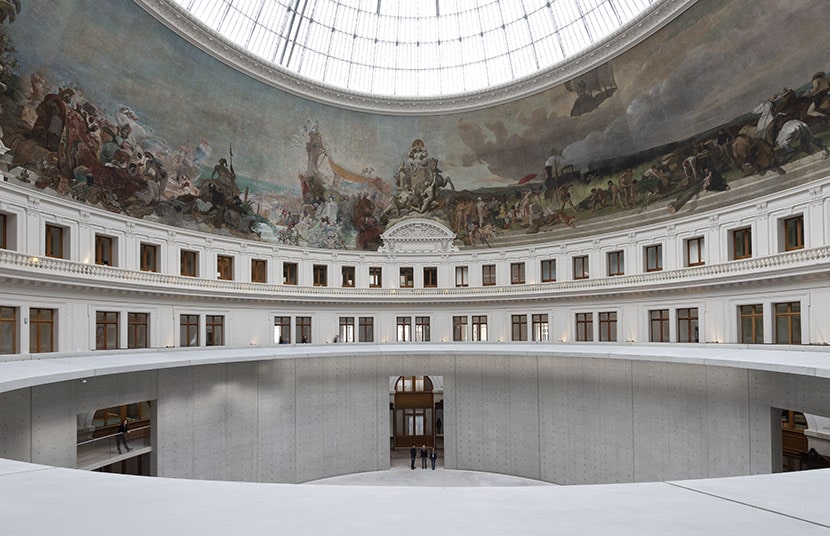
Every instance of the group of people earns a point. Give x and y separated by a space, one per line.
430 454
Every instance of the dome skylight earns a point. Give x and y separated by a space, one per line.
414 48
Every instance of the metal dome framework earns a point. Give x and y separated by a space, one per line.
416 48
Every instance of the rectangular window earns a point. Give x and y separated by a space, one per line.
41 330
422 329
430 277
407 277
751 322
347 276
517 273
54 241
404 328
4 230
138 330
282 329
584 327
694 251
214 330
321 275
616 265
375 277
149 254
687 325
548 271
459 328
581 267
224 267
289 273
488 275
479 328
518 327
742 243
103 250
659 325
540 327
787 323
366 329
259 271
303 325
462 276
106 330
188 263
8 330
189 330
654 258
608 326
794 233
346 332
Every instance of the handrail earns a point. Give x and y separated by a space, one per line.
112 435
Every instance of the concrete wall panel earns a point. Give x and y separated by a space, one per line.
16 425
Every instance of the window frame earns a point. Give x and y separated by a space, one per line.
430 277
488 275
259 270
518 327
791 316
607 323
688 324
189 325
462 276
700 242
144 263
186 255
661 319
460 328
540 327
12 320
375 277
289 273
798 222
479 328
214 325
653 257
138 324
741 243
406 277
366 329
346 329
224 267
54 245
584 323
320 275
347 276
616 263
422 329
107 323
104 250
581 267
548 270
517 273
753 314
35 321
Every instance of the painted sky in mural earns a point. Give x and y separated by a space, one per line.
107 106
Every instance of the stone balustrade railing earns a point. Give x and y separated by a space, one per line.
58 271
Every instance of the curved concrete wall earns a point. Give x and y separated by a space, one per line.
565 414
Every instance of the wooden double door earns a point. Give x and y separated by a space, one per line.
413 420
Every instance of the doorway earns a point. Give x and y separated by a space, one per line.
416 414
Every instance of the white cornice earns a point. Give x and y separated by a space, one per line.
638 29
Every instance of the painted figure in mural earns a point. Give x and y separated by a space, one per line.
564 196
820 107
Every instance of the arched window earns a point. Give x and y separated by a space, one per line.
413 384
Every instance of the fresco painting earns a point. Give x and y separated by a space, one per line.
129 117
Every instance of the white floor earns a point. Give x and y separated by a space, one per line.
39 500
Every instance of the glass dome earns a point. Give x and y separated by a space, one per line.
414 48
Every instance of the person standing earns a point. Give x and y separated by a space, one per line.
413 453
433 457
121 436
423 456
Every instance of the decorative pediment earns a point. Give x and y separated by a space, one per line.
418 235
